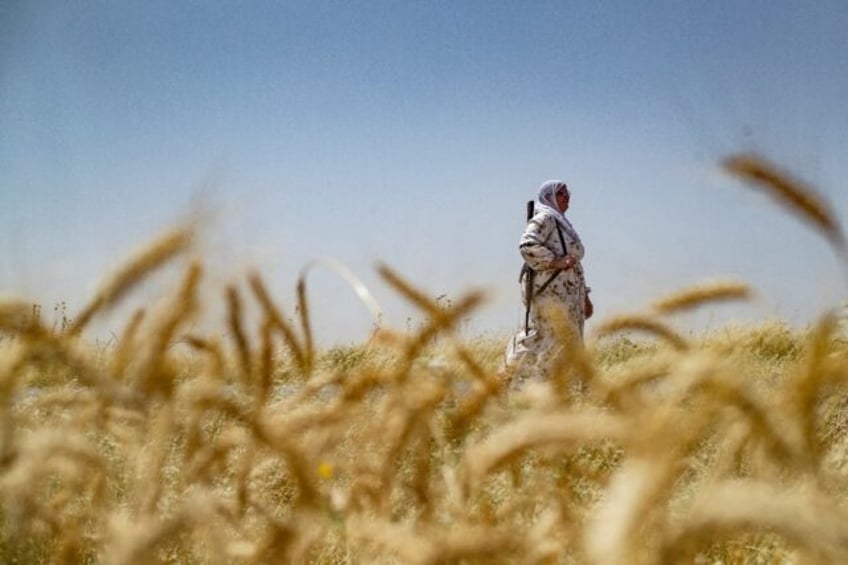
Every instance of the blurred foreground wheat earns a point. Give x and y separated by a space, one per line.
255 448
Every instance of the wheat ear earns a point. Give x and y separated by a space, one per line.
234 318
278 320
791 193
644 323
153 256
700 294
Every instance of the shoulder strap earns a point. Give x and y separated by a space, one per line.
558 271
561 239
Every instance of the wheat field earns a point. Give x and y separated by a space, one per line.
650 446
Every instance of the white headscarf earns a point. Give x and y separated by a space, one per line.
547 199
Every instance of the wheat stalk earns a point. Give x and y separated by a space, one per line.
642 323
793 194
676 454
234 318
276 318
803 516
698 295
131 273
536 430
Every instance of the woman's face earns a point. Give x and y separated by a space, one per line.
562 199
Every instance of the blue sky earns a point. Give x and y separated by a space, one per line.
412 133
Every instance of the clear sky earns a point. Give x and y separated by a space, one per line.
413 133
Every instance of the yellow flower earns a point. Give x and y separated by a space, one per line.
325 470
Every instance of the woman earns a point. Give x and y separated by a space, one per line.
559 299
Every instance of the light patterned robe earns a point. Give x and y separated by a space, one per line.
531 354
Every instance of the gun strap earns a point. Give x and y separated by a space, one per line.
558 271
562 240
547 282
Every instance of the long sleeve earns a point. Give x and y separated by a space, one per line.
535 241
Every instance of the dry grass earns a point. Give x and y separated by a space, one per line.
256 448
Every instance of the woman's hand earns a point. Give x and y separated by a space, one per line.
588 307
564 263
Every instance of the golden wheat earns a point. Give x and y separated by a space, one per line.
701 294
798 198
133 272
219 447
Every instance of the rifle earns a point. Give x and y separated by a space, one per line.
529 277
